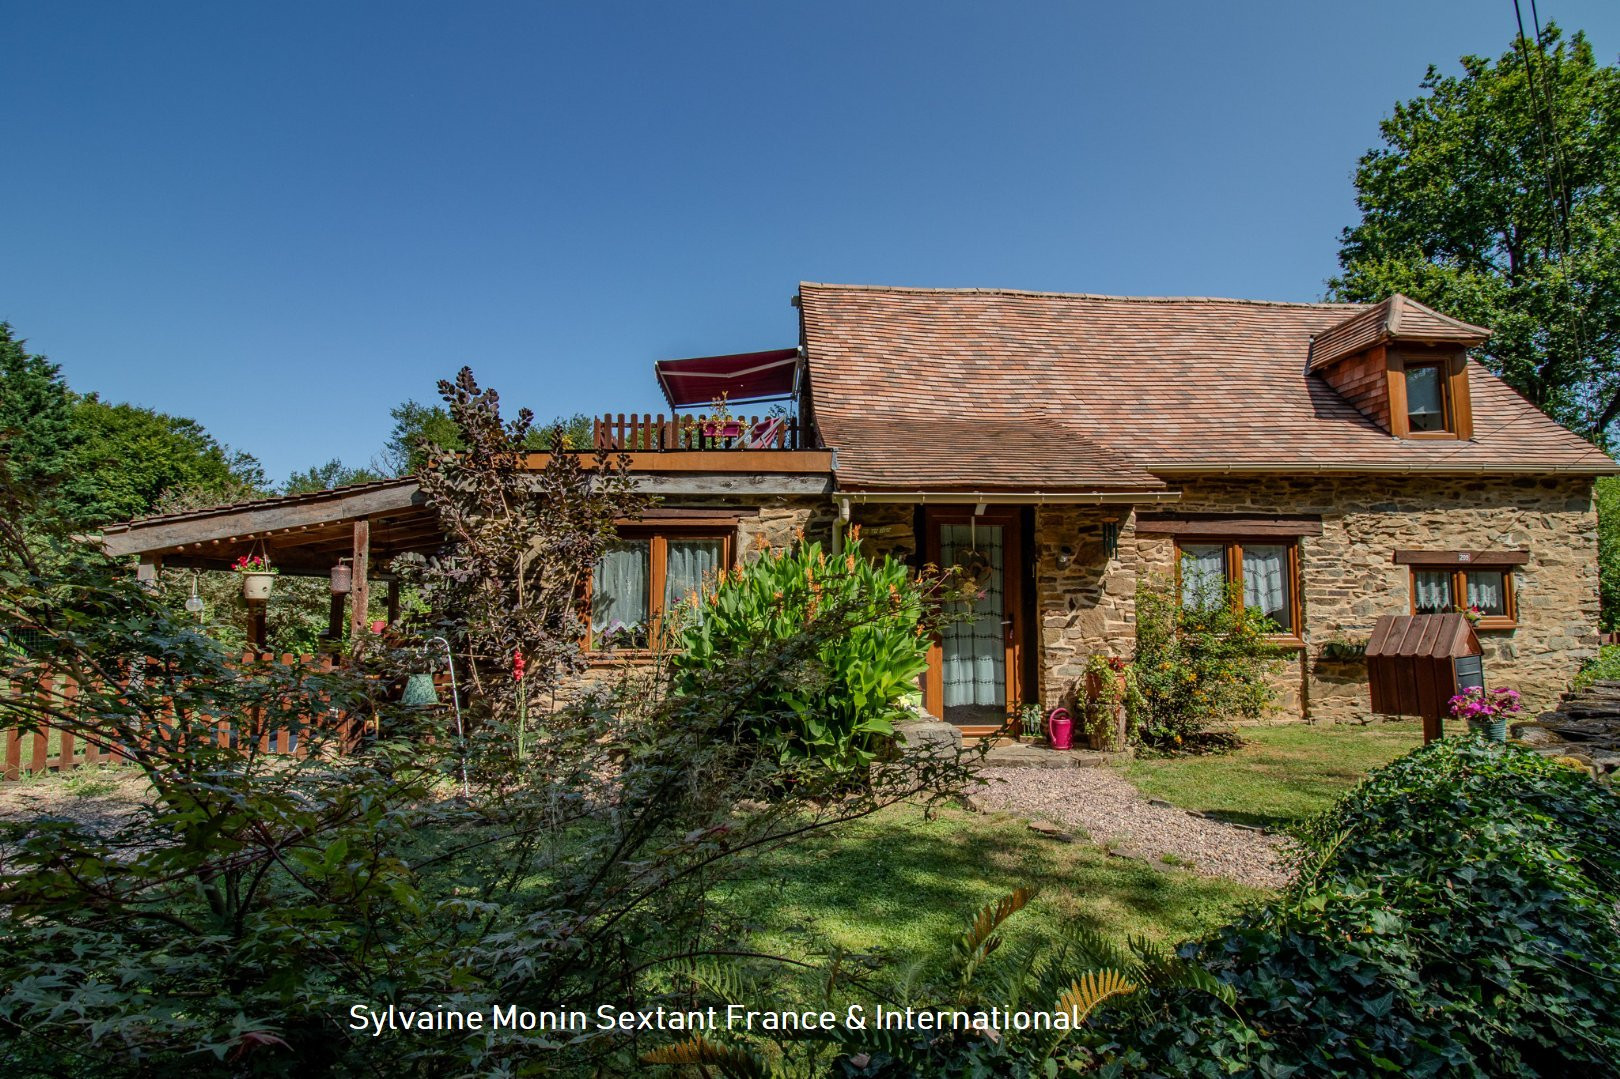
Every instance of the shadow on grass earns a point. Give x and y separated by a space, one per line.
899 888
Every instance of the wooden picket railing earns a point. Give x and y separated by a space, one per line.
57 750
646 432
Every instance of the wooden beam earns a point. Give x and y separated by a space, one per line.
289 512
1461 558
257 624
360 592
147 572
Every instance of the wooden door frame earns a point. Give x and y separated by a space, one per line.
1014 604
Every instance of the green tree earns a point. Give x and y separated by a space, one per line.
1494 198
132 455
333 473
417 425
38 437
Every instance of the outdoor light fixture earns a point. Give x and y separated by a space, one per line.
1065 556
194 603
342 578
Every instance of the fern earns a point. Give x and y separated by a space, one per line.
981 939
1091 990
698 1051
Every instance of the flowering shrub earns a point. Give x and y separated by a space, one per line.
841 701
254 563
1481 705
1195 665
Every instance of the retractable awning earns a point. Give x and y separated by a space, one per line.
745 376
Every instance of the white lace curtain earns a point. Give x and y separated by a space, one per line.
1486 591
1203 574
1433 588
1265 582
687 562
973 653
619 586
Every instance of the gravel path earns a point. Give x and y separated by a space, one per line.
1112 811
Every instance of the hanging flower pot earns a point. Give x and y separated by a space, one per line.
257 577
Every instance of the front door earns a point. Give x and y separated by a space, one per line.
974 667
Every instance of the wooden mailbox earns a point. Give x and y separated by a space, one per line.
1416 663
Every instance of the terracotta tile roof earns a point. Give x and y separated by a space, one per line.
1398 318
985 388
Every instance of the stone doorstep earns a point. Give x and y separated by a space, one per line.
1025 755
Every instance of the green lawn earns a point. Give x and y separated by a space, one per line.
899 887
1280 775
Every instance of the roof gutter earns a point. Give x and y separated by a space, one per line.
1009 498
1226 468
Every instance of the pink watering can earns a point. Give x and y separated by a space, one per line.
1059 728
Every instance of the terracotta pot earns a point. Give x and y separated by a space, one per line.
256 586
1059 728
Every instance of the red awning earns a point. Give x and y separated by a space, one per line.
746 376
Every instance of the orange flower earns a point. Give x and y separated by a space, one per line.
849 563
854 533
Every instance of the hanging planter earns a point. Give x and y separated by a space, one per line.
257 576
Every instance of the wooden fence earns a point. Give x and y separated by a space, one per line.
642 431
59 750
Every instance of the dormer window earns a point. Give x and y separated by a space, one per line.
1426 398
1404 366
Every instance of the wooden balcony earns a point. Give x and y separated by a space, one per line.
642 432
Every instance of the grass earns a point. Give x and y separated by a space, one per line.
898 887
1605 666
1280 775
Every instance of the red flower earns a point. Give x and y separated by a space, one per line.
517 664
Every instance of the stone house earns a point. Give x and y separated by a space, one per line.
1334 461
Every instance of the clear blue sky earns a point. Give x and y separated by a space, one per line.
282 219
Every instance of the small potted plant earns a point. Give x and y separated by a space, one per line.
1486 711
1473 612
257 576
1105 701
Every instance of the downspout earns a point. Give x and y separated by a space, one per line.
839 525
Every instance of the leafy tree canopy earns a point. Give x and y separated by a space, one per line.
1494 199
36 420
333 473
132 455
417 425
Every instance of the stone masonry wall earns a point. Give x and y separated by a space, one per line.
1348 575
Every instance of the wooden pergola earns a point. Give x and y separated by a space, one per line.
364 524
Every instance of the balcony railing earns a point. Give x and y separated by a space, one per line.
645 432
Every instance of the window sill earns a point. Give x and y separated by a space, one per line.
1495 624
1286 640
621 657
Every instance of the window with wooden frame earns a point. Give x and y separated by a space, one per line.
645 575
1264 570
1476 582
1428 393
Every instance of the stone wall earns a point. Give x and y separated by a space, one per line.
1087 605
1348 575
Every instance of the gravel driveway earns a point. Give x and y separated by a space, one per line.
1110 810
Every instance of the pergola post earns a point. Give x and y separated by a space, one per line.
393 600
147 572
360 589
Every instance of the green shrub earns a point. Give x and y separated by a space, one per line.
1605 666
840 705
1607 492
1454 915
1197 663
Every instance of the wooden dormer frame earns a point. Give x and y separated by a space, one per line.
1453 362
